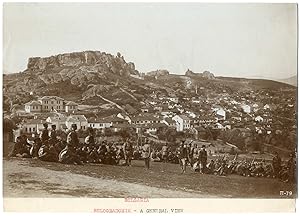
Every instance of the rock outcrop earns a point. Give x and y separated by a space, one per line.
205 74
91 60
158 73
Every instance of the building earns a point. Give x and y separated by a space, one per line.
170 122
79 120
50 104
259 119
59 121
98 123
144 119
246 108
32 126
71 107
101 123
182 122
33 106
221 114
154 127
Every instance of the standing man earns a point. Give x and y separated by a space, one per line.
202 159
276 164
128 149
183 156
146 154
45 134
164 152
53 134
193 154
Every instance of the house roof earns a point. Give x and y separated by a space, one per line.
76 118
184 117
123 126
155 125
109 119
144 118
57 118
34 103
51 97
71 103
97 120
170 121
34 121
114 119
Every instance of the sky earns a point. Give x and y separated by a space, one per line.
236 40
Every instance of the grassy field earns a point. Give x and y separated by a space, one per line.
162 180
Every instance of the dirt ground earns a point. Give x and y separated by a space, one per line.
34 178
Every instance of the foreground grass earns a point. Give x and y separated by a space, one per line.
168 176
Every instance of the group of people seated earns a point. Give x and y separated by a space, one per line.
49 147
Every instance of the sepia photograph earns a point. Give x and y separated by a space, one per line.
140 101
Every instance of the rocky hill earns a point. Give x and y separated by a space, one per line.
71 75
158 73
205 74
98 78
291 80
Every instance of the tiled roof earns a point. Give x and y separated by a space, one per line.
144 117
71 103
76 118
51 97
170 121
184 117
34 103
58 118
34 121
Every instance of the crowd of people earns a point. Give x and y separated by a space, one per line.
49 147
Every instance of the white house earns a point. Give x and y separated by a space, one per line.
267 106
221 114
182 122
170 122
125 117
32 126
99 123
79 120
33 106
50 103
173 99
153 127
246 108
259 119
59 121
71 107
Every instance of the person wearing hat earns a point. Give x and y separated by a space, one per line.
53 134
202 159
45 134
128 150
276 162
164 151
90 140
72 138
146 150
183 156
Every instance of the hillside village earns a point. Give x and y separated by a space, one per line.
98 90
244 119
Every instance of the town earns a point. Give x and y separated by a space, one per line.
253 121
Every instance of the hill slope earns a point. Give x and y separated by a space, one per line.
94 77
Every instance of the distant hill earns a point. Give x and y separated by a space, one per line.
291 80
97 78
